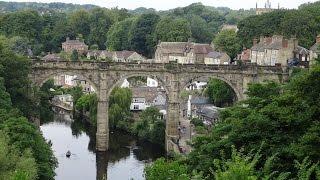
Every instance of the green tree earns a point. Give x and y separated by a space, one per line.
100 23
150 126
142 34
14 70
173 30
119 108
23 136
88 103
74 56
162 170
220 93
284 117
5 100
118 35
228 42
15 165
79 22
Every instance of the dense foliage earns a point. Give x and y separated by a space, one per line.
119 108
227 41
281 122
22 138
15 165
115 29
220 93
304 24
88 103
150 126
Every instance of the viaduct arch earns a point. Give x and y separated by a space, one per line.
104 76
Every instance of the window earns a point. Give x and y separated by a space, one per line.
136 107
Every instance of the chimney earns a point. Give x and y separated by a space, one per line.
255 41
285 43
67 39
318 39
261 39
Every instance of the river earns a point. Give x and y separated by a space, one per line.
125 159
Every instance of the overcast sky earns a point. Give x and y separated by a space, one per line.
169 4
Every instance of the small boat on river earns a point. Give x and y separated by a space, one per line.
68 154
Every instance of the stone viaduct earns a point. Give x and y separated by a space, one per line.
104 76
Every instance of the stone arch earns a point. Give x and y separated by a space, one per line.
39 81
238 93
126 76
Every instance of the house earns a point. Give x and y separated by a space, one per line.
127 56
71 45
215 57
144 97
51 57
315 49
244 56
301 57
64 100
152 82
182 52
208 114
194 104
80 81
198 85
276 50
116 56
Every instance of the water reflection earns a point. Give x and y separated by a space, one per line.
126 158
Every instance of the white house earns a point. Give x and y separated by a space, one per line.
144 97
152 82
198 85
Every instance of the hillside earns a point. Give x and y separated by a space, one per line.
6 7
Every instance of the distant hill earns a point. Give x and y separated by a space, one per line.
6 7
142 10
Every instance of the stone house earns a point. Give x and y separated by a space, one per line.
208 114
116 56
71 45
245 55
183 52
80 81
276 50
215 57
51 57
301 55
144 97
195 103
65 100
315 49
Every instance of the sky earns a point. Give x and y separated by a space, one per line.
170 4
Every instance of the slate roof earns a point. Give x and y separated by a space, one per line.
199 100
182 47
315 47
51 57
74 42
149 93
211 112
215 54
301 50
123 54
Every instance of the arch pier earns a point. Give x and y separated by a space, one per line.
104 76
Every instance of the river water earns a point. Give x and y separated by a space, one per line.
125 159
